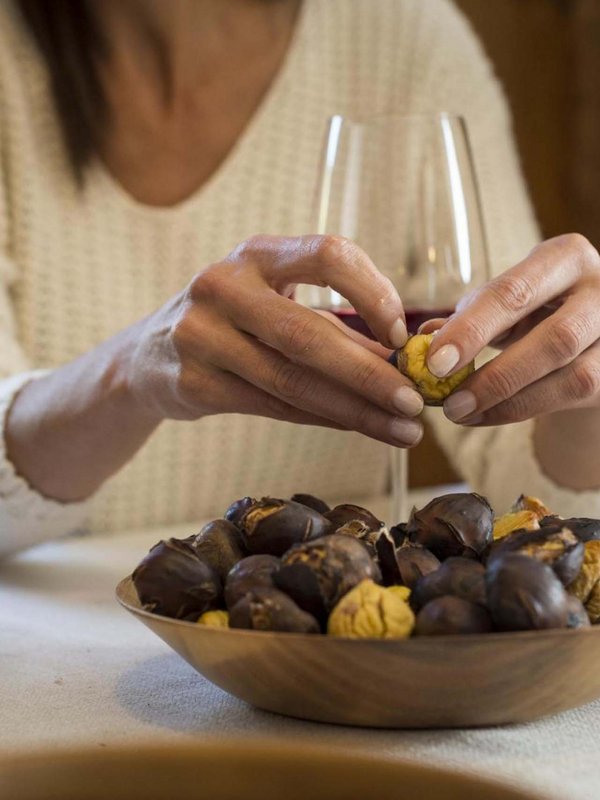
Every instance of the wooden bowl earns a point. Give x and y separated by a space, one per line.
235 770
427 682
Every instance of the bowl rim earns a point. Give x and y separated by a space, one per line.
411 641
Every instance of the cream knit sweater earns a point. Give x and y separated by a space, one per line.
76 268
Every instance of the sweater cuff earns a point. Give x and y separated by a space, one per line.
26 516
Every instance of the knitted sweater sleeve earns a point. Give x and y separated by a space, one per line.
26 517
497 462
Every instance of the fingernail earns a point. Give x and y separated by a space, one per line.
406 431
398 333
460 405
407 401
474 420
443 361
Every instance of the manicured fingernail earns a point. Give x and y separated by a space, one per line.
460 405
473 420
406 431
444 360
398 334
408 402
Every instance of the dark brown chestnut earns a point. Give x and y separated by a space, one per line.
584 528
253 572
524 594
312 502
219 543
414 562
560 549
460 577
340 515
399 534
363 532
577 615
273 526
266 609
237 509
448 615
385 550
174 581
453 525
317 574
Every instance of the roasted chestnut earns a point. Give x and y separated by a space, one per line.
524 593
371 611
312 502
459 577
586 529
560 549
266 609
361 531
219 543
578 616
342 514
237 509
414 562
586 585
399 534
318 574
273 526
253 572
385 551
451 615
174 581
524 520
411 360
453 525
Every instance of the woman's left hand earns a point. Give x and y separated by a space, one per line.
544 314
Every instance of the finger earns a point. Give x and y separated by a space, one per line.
574 386
357 336
553 344
296 385
306 338
432 325
341 264
550 270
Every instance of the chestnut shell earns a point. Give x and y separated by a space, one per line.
346 512
267 609
273 526
459 577
174 581
252 572
219 543
237 509
312 502
448 615
453 525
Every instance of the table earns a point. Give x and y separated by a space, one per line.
76 669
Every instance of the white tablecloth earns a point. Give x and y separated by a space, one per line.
76 669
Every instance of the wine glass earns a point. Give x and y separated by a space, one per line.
404 189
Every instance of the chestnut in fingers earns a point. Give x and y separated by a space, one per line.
237 509
453 525
265 609
273 526
174 581
447 615
342 514
525 594
459 577
317 574
560 549
252 572
312 502
219 543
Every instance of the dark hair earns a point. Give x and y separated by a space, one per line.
70 42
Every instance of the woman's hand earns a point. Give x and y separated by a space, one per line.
234 341
544 314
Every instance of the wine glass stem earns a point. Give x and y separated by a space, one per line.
399 478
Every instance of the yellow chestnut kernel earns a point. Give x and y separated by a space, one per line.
515 521
214 619
411 360
370 611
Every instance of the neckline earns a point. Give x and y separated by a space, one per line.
100 172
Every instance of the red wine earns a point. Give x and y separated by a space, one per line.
415 317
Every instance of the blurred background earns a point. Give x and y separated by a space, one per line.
547 55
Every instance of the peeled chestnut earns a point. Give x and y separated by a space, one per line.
317 574
451 615
219 543
312 502
266 609
524 593
273 526
252 572
342 514
371 612
560 549
453 525
459 577
174 581
414 562
237 509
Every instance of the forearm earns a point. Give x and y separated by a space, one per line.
567 447
69 431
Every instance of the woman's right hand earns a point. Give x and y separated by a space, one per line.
234 341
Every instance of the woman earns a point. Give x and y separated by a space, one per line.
144 145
